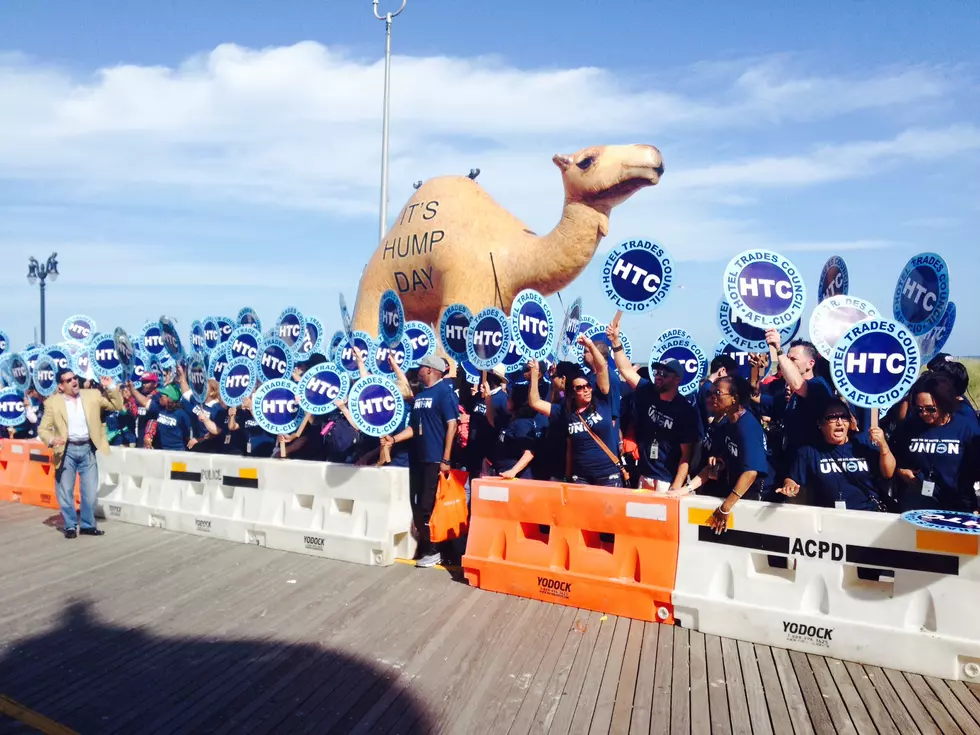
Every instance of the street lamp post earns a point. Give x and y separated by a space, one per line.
384 125
38 272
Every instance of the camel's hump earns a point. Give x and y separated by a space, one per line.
460 198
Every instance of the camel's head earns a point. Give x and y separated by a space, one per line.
609 175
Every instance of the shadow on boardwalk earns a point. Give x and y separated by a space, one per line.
97 678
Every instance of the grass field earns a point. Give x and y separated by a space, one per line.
973 366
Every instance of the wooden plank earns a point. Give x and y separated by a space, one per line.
858 713
931 702
773 691
970 703
662 678
622 712
553 694
755 695
562 719
879 713
893 688
831 695
738 707
721 721
953 705
585 705
700 704
643 695
680 685
812 696
795 704
602 713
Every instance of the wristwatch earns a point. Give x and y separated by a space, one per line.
618 349
779 352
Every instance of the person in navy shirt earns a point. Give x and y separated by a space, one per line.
173 421
519 434
666 424
435 413
482 434
738 466
938 452
845 470
209 418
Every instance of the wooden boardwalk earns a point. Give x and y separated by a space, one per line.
149 631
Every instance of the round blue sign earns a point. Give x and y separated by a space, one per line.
688 354
376 405
197 337
471 371
422 339
739 333
833 279
248 318
151 337
45 372
218 362
78 329
453 328
275 360
12 409
335 341
569 329
346 359
276 408
488 339
17 372
139 367
291 326
312 339
951 521
320 387
82 363
391 319
60 357
741 358
105 361
400 353
212 333
922 293
833 316
4 342
171 340
932 342
637 275
245 342
597 334
237 381
764 288
225 328
875 363
532 325
197 377
514 360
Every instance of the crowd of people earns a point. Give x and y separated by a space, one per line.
783 433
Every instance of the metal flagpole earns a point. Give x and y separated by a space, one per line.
384 128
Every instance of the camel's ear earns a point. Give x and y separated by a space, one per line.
562 161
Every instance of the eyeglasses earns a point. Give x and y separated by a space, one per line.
582 387
717 394
662 373
837 418
69 380
926 409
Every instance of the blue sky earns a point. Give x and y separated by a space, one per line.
186 158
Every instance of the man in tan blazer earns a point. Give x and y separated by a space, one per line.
72 425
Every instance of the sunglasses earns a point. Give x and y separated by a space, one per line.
662 373
837 417
717 394
69 380
582 388
926 409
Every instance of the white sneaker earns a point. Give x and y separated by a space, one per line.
429 560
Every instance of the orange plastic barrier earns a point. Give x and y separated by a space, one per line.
604 549
27 474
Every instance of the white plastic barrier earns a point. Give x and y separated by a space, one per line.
357 514
830 598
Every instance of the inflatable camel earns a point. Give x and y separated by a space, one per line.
439 250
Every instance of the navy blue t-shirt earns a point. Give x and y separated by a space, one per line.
482 435
945 455
615 393
516 437
803 414
848 473
549 462
400 452
665 425
589 461
173 426
432 411
742 445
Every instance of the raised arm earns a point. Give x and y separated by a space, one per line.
625 368
534 399
599 364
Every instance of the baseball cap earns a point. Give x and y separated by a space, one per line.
673 366
435 362
150 378
171 392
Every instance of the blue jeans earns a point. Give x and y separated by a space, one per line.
610 481
79 460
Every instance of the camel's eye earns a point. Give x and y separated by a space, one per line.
586 163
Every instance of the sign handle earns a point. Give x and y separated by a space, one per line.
615 321
282 446
874 418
